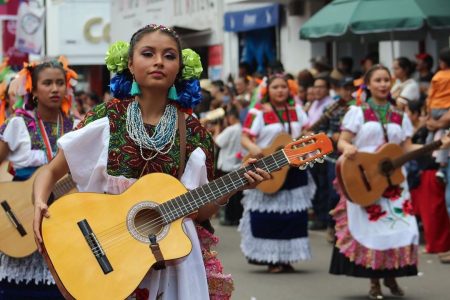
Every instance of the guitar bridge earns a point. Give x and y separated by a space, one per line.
13 219
95 246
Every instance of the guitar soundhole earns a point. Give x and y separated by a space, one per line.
147 222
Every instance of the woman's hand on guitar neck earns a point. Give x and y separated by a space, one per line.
40 210
255 178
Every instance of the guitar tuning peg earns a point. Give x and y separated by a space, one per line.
320 160
311 164
303 167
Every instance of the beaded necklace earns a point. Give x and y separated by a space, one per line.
163 137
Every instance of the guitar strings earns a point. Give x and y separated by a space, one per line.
107 231
155 223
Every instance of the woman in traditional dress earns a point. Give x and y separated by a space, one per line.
274 226
138 135
381 240
28 141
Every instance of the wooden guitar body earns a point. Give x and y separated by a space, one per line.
101 246
362 179
274 184
17 241
115 222
16 216
4 175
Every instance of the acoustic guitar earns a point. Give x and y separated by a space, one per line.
17 213
101 246
365 178
4 174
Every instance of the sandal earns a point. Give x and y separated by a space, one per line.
375 291
275 269
393 286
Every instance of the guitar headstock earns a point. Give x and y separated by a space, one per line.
308 150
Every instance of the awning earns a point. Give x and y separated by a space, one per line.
190 32
246 20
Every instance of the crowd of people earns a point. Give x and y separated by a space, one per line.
153 121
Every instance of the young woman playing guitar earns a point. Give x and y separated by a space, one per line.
123 140
274 226
381 240
28 141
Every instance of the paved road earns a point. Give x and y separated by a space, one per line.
312 281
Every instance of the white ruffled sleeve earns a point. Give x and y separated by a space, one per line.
17 137
353 119
407 126
86 152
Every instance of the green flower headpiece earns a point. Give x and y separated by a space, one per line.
117 57
192 65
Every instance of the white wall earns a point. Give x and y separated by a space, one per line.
68 32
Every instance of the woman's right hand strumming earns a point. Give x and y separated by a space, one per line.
350 151
40 211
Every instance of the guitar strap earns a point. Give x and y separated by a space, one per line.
182 132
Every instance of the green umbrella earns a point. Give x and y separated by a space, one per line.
378 20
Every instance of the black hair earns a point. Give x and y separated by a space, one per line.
94 97
444 55
232 110
35 71
407 65
276 66
326 79
372 70
415 106
347 61
219 84
31 103
136 37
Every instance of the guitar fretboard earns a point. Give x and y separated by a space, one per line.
189 202
63 186
414 154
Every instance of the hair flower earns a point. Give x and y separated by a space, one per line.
192 64
117 57
120 86
189 94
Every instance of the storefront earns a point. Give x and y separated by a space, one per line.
257 34
80 30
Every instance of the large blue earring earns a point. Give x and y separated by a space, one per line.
173 93
135 89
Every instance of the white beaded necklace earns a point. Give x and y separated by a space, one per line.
163 136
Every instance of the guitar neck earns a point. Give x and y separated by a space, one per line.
189 202
325 116
63 186
398 162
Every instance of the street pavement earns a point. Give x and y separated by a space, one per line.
311 279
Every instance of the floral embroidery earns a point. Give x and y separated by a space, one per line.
124 158
375 212
393 192
407 208
395 116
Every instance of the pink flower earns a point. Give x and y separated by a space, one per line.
393 192
407 208
375 212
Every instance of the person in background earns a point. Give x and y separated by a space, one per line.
380 240
28 140
229 142
274 226
438 103
424 67
405 88
345 65
345 90
427 193
369 61
92 100
319 172
310 98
